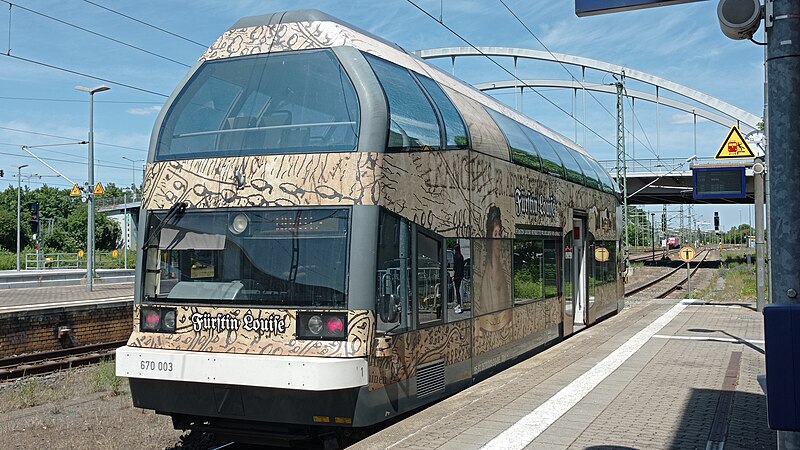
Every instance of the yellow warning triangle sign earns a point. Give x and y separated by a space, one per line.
75 192
734 147
98 189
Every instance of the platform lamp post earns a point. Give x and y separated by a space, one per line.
653 234
90 194
19 190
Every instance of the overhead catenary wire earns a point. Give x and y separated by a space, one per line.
75 72
69 138
42 99
146 24
581 83
82 163
602 138
86 30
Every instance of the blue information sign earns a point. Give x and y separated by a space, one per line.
594 7
719 182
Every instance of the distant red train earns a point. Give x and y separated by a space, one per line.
673 242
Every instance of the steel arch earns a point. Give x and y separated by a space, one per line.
737 114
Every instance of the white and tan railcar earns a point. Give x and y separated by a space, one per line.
306 188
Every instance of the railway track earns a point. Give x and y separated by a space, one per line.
650 256
15 367
677 279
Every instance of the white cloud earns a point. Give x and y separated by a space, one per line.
144 111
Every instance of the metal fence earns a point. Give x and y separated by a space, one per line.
102 260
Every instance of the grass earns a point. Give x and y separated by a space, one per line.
59 389
103 378
739 276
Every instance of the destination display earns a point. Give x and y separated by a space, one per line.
719 182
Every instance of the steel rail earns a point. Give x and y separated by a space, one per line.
651 283
15 367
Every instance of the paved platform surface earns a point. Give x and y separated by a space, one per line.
12 300
652 377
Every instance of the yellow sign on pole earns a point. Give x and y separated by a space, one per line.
75 192
686 254
601 254
98 189
734 147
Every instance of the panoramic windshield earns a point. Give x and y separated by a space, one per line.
285 258
293 102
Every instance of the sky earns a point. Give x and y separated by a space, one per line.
49 47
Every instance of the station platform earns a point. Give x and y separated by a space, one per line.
662 374
32 298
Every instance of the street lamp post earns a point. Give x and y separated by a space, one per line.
133 170
90 194
125 226
653 233
125 212
19 190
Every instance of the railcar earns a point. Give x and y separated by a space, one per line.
336 232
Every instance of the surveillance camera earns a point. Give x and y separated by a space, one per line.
739 19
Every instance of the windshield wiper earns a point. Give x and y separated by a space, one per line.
174 211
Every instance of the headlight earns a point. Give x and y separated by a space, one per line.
239 223
158 320
315 324
168 320
322 325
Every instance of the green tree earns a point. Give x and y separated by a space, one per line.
107 231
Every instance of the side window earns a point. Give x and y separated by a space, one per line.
522 150
592 179
574 172
536 269
455 130
412 122
431 291
394 274
551 162
459 279
528 270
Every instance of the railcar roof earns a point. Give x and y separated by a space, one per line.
400 56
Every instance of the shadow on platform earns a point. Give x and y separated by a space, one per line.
746 424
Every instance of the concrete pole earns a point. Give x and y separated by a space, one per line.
783 109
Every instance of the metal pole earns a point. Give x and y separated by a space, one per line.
19 190
653 232
90 201
90 193
125 224
758 179
688 280
783 70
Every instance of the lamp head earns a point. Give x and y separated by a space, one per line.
92 91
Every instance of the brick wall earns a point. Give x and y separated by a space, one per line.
57 328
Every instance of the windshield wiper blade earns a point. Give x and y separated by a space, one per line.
174 211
